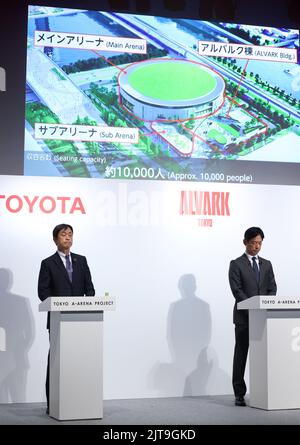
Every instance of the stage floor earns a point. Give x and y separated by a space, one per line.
204 410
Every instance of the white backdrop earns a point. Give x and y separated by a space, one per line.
172 333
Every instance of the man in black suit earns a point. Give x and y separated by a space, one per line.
249 275
63 274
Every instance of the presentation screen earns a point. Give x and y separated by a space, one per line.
127 96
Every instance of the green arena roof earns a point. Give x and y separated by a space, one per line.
172 80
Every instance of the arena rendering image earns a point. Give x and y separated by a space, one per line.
127 96
170 89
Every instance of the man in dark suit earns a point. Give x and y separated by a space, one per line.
63 274
249 275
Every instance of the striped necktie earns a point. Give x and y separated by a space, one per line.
255 268
69 267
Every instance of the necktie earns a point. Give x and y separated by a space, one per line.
255 268
69 267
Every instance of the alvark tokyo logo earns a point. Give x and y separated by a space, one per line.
44 204
204 203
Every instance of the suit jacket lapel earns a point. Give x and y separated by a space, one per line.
74 265
61 266
246 261
261 268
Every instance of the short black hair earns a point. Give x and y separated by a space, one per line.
60 227
252 232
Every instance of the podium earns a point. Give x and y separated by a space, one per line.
274 351
76 356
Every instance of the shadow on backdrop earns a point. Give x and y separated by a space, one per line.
207 378
16 338
188 334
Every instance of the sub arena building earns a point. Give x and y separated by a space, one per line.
170 89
